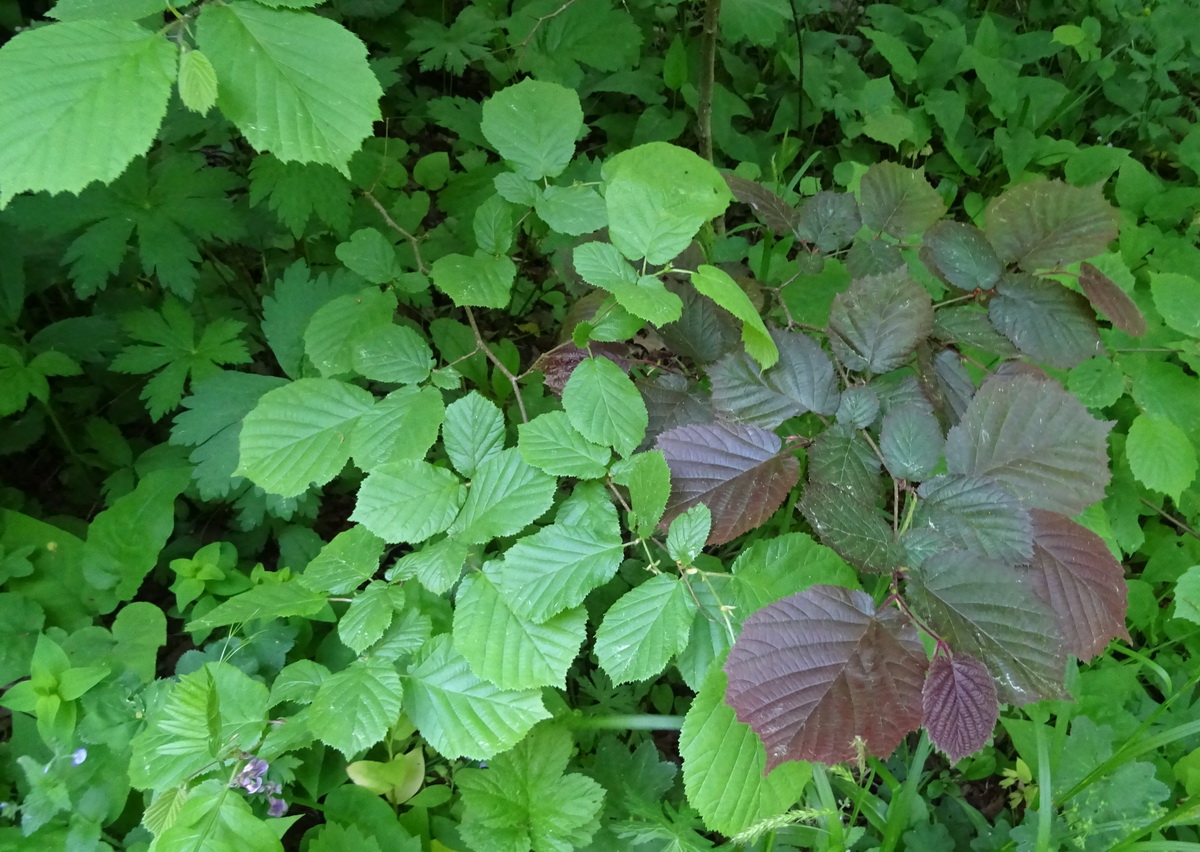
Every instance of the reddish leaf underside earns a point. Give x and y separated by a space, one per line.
1074 572
735 469
814 671
960 705
1111 300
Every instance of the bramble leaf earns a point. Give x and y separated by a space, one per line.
829 221
721 755
48 107
354 708
392 353
802 380
687 534
963 255
877 323
959 704
739 471
551 444
813 672
472 433
774 212
512 651
462 715
1047 223
1074 572
975 514
1177 298
1035 439
574 210
644 296
264 602
1111 300
718 286
297 435
911 442
334 327
345 563
647 626
852 527
263 59
403 425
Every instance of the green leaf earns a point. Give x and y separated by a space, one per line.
975 514
523 801
403 425
550 443
721 754
688 533
644 296
329 338
48 107
1047 224
648 479
264 60
113 10
723 290
296 191
1187 595
555 568
462 715
1177 298
645 628
176 742
369 615
1098 382
348 561
533 125
482 281
658 195
437 566
506 496
1160 455
392 353
371 255
197 81
604 405
1037 440
264 602
133 531
516 190
898 201
573 210
473 432
758 580
493 226
408 501
354 708
297 435
508 649
211 819
877 324
291 306
911 442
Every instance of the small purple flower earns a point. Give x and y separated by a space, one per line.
277 807
250 778
78 756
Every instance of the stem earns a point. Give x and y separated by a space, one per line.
1045 789
626 722
708 61
491 356
1175 522
412 241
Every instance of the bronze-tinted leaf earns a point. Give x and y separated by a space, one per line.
1046 224
737 470
671 401
1074 572
897 200
852 527
774 212
815 672
963 255
1045 320
876 324
829 221
1111 300
960 705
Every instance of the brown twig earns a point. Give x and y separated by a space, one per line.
491 356
412 241
1175 522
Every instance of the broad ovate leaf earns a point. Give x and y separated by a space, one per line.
296 435
876 324
345 563
54 83
550 443
828 221
852 526
354 708
1036 439
1074 572
960 706
816 672
460 714
533 125
739 471
962 254
604 406
898 201
1045 224
658 195
473 432
718 286
1160 455
724 765
506 495
509 649
802 380
1047 322
911 442
774 212
976 514
644 629
265 61
989 610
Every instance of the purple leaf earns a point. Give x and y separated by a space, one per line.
1111 300
671 401
736 470
1074 572
1036 439
898 200
774 212
877 323
1045 224
960 705
813 672
829 221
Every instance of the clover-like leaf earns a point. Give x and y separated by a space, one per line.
737 470
814 672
